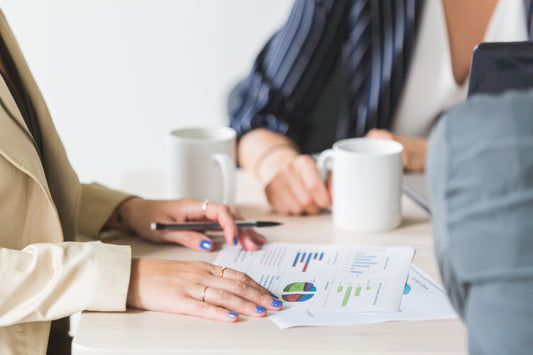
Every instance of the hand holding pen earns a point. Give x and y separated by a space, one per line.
137 215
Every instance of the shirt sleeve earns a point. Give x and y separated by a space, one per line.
47 281
290 71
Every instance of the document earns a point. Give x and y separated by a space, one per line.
326 277
423 299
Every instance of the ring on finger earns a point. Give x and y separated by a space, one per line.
203 293
204 206
221 274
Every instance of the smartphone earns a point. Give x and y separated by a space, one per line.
500 66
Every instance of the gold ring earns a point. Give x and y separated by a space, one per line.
221 274
203 293
204 206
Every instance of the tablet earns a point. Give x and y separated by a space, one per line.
500 66
414 186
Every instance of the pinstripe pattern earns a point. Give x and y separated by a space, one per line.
376 39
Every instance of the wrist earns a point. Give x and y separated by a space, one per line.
122 217
133 287
273 159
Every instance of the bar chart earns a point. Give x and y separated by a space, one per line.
304 258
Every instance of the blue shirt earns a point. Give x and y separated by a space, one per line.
373 41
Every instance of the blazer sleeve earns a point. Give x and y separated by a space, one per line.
48 281
290 71
97 204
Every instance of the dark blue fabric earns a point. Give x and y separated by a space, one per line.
376 40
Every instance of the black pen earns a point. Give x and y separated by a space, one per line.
211 226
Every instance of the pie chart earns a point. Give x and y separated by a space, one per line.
298 292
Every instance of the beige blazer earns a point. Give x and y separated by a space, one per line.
44 275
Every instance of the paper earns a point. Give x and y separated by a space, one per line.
423 299
326 277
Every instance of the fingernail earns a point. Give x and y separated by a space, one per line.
276 303
206 244
260 309
273 295
232 315
234 240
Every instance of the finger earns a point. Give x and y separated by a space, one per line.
313 182
250 302
241 277
222 214
190 239
281 195
205 310
241 285
303 196
250 239
281 198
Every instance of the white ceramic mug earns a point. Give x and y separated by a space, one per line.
366 183
202 164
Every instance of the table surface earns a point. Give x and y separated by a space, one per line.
142 332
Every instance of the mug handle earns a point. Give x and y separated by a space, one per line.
227 168
323 163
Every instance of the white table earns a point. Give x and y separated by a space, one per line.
141 332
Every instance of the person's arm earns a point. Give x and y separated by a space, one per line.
194 288
292 182
47 281
292 68
286 80
414 148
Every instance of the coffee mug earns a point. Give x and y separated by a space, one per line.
202 164
366 183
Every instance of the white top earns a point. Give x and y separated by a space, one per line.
430 87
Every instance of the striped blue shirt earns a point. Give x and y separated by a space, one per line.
372 39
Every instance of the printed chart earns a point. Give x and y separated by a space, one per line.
298 292
333 277
423 298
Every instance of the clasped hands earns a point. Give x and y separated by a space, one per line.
194 288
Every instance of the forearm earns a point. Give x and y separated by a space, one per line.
119 219
265 152
98 203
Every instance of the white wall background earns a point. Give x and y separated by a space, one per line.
118 75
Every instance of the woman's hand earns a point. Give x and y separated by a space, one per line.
198 289
414 148
298 188
292 182
136 214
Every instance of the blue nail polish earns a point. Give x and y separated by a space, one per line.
276 303
234 240
206 244
273 295
260 309
232 315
